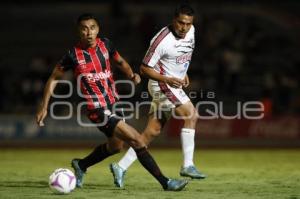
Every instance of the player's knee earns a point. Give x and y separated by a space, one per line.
147 138
194 117
137 142
149 134
191 117
155 132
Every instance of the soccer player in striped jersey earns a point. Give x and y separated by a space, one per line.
165 64
90 62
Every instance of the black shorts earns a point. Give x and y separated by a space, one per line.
105 120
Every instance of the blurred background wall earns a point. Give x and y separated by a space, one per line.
245 51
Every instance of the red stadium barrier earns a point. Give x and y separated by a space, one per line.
281 131
270 128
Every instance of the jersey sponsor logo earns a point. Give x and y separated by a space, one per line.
85 65
184 58
93 77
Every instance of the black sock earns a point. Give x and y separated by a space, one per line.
149 163
99 154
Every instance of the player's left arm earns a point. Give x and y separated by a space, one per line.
126 69
48 90
186 81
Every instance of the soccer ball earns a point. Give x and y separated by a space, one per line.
62 181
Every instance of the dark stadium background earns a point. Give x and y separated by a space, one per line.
246 51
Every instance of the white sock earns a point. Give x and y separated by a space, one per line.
127 159
188 146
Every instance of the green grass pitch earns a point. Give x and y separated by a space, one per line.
234 174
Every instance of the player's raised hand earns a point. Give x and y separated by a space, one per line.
136 78
40 116
175 82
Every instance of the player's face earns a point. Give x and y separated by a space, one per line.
182 24
88 31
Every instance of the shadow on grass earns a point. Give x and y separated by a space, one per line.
35 184
100 186
44 184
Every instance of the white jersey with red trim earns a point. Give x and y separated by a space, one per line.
170 55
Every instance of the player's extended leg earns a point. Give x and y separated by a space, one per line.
119 169
189 114
134 139
113 146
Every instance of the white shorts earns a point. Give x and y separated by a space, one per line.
165 98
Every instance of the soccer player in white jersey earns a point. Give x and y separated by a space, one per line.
165 64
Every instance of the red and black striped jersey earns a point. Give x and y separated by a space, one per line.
92 69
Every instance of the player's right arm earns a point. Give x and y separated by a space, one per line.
158 48
149 72
50 86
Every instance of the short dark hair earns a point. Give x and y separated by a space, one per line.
185 9
87 16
